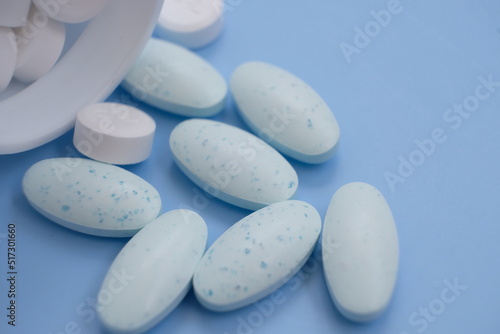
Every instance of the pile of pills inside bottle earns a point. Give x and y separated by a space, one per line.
33 34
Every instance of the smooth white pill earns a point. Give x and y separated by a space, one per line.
285 111
174 79
71 11
360 251
14 13
256 255
40 42
232 164
190 23
114 133
8 53
152 273
91 197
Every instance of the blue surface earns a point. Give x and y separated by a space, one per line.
396 90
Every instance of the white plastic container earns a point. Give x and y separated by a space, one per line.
87 73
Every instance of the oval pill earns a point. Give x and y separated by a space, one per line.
256 255
8 53
156 267
232 164
91 197
114 133
360 251
192 24
285 111
40 42
71 11
174 79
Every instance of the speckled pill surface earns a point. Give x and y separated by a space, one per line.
256 255
232 164
155 269
360 251
285 111
91 197
176 80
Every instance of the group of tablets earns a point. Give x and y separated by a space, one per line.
255 255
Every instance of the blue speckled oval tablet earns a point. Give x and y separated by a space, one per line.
232 164
174 79
91 197
152 273
285 111
256 255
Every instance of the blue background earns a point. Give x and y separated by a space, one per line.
393 92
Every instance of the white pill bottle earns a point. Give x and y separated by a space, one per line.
102 52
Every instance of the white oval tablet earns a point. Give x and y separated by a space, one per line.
114 133
232 164
91 197
155 267
176 80
190 23
71 11
285 111
40 42
14 13
8 52
360 251
256 255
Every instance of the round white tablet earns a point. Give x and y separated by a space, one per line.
192 24
114 133
71 11
40 42
8 51
14 13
